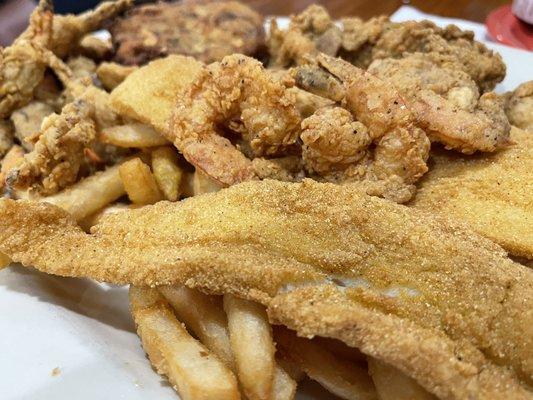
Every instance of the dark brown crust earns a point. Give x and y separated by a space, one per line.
205 30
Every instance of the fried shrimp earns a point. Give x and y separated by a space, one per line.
22 65
447 103
239 95
333 141
397 157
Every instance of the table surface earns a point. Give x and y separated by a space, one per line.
475 10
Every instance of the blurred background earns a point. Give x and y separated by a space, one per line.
14 13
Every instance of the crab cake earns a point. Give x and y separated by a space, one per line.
205 30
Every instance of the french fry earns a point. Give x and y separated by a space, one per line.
93 219
167 172
90 194
202 183
283 387
204 316
342 378
252 345
392 384
139 182
190 367
132 135
4 260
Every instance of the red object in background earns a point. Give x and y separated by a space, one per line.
506 28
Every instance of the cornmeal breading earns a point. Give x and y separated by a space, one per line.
419 292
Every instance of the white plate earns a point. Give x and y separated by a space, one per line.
70 338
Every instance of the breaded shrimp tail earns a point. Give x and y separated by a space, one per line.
418 292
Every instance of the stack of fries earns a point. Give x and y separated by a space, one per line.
209 347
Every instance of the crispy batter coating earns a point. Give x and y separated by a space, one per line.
400 148
449 45
83 88
519 106
238 94
447 104
81 67
27 122
205 30
59 153
361 42
333 141
309 32
22 65
69 29
358 37
419 292
491 193
286 169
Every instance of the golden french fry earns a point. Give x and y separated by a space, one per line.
4 260
139 182
149 94
93 219
342 378
190 367
392 384
167 172
90 194
204 316
132 135
112 74
283 387
201 183
252 345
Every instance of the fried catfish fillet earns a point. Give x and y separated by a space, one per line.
419 292
149 94
491 193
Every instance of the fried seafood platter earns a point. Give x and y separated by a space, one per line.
343 202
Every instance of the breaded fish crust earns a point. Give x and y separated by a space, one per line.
491 193
206 30
421 293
